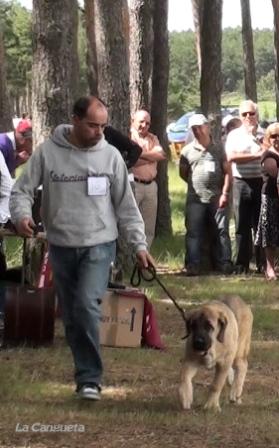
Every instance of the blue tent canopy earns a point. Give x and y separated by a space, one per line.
178 131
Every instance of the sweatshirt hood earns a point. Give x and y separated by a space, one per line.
61 135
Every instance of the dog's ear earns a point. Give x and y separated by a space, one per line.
222 321
189 321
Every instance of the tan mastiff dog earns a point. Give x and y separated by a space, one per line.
219 336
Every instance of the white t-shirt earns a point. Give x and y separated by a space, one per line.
6 183
240 141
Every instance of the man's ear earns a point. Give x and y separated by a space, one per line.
222 321
75 120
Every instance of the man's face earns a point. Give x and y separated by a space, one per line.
202 130
89 130
248 116
23 144
141 123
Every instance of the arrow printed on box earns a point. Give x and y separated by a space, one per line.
133 313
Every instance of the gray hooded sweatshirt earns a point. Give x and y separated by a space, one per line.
71 216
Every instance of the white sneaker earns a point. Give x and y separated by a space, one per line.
89 392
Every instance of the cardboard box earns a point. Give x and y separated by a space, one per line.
122 317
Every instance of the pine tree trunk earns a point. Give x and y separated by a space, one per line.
141 51
275 4
92 67
159 114
197 8
211 56
248 52
5 112
55 64
112 59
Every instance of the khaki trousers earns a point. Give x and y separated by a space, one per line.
147 200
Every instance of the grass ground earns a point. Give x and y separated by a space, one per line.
140 406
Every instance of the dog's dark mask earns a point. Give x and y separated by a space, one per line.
201 328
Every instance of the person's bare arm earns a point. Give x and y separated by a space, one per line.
270 166
239 157
224 198
155 155
183 168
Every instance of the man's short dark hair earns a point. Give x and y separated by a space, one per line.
81 106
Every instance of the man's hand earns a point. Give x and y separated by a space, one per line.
223 201
25 227
22 157
144 259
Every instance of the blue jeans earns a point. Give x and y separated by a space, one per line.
2 299
81 277
207 220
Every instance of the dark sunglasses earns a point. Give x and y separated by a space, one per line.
251 114
274 136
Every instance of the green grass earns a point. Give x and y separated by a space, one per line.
13 249
140 407
170 251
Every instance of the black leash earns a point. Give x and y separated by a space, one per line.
149 274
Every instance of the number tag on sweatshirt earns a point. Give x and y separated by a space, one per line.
97 186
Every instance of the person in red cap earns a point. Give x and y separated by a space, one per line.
16 146
24 126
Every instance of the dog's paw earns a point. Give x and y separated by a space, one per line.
186 403
235 400
212 405
186 406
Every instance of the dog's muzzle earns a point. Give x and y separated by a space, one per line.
201 344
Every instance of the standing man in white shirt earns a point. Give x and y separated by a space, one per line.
244 152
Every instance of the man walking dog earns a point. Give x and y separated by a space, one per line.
86 197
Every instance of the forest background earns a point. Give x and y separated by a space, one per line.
183 91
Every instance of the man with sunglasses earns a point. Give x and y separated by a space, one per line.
244 151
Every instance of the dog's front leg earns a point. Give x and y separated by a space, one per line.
186 388
221 373
241 366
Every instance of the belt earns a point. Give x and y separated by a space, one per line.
145 182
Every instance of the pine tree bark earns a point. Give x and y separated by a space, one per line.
55 64
159 109
248 52
92 73
112 60
211 56
197 8
275 4
5 112
141 54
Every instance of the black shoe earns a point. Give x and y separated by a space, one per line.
192 271
240 269
188 272
227 268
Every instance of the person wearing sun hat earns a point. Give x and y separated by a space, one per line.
203 165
